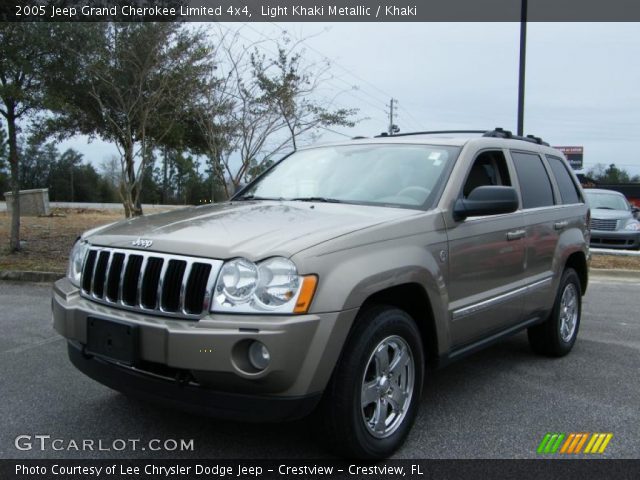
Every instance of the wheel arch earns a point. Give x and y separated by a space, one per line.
578 261
413 299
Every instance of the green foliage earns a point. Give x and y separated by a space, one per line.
4 164
611 174
152 89
133 84
286 85
64 174
184 184
24 51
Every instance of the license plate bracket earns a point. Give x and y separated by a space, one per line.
113 340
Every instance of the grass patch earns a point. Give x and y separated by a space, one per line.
47 241
615 262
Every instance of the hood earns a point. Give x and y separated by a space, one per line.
250 229
605 214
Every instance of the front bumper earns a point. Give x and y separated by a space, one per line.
189 397
615 239
211 353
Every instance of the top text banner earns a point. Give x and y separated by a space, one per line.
321 10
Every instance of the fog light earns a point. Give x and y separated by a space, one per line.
259 355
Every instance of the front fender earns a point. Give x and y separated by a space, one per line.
348 277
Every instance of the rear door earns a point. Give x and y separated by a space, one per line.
543 220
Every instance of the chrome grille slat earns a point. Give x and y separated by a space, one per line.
175 286
143 271
604 224
183 287
125 264
163 273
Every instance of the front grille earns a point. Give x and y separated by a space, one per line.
600 224
149 282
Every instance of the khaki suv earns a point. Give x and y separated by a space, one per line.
333 281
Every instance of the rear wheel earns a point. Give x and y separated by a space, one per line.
374 394
557 335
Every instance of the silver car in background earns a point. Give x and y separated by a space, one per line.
612 220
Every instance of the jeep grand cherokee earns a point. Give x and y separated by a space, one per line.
333 280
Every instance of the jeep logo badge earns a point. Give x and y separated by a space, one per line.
141 242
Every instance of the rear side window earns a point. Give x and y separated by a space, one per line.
534 181
568 189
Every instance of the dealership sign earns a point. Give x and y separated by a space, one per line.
574 156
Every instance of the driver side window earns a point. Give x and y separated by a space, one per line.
489 168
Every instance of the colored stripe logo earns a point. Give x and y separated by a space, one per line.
573 443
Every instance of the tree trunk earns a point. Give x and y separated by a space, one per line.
14 240
129 182
165 181
137 203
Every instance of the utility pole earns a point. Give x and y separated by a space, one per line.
393 128
523 56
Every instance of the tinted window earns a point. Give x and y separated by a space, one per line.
568 190
534 181
489 168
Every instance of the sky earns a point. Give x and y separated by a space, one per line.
582 80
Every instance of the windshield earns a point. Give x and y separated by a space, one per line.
396 175
608 201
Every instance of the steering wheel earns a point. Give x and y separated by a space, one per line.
419 194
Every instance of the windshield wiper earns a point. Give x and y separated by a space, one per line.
604 208
250 196
315 199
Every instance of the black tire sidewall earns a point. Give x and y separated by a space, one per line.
559 345
376 325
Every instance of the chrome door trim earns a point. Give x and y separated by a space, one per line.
490 302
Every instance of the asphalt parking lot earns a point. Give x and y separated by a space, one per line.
496 404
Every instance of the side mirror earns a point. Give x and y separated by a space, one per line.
486 200
635 211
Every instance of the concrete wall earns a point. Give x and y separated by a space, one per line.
32 202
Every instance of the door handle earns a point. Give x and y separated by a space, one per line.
516 234
560 225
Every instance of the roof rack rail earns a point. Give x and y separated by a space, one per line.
433 132
502 133
495 133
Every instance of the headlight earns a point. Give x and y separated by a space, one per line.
76 260
237 282
271 286
632 225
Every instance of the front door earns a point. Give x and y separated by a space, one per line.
486 261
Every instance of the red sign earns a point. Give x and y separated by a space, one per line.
574 156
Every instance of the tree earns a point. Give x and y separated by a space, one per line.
4 178
38 158
611 174
262 105
286 85
134 83
24 48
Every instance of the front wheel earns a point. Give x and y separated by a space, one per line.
374 394
557 335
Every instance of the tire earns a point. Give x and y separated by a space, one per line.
365 374
557 335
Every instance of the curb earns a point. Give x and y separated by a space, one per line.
27 276
614 252
611 274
